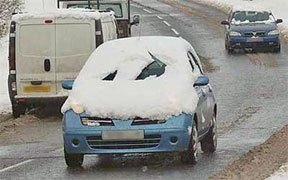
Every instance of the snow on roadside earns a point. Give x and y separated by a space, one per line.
5 105
278 8
281 174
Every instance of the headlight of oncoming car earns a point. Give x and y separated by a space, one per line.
274 32
234 33
77 108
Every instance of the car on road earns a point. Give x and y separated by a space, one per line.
135 95
46 48
250 29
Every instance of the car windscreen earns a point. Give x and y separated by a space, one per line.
116 7
251 16
156 68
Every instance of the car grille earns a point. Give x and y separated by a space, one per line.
257 44
149 141
140 121
257 34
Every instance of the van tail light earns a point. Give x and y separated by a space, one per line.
48 21
12 38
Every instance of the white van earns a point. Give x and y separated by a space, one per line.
48 48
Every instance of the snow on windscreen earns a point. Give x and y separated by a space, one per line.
244 17
171 93
63 13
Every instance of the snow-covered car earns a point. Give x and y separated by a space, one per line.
250 29
136 95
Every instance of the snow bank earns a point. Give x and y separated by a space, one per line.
156 97
281 174
278 8
5 105
63 13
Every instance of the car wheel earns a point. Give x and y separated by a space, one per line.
190 156
18 109
209 143
230 50
277 50
73 160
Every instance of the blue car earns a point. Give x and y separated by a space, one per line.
135 96
251 30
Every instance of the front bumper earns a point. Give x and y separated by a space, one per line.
157 136
241 42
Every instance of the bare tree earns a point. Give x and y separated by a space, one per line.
7 7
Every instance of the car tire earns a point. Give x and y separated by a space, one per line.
277 50
209 143
18 109
190 156
73 160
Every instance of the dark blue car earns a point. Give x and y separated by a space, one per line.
251 30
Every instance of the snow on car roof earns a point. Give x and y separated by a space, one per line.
161 97
63 13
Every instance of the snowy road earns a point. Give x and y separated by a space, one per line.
251 90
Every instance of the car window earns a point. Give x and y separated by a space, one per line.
251 16
198 67
191 61
156 68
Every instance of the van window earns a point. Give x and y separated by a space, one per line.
37 40
74 39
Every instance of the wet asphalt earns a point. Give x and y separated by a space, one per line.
251 90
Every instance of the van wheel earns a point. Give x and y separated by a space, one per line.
73 160
18 109
190 156
209 143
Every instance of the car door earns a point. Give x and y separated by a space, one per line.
75 41
204 116
35 57
199 108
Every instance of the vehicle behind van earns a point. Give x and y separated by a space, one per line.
48 48
121 8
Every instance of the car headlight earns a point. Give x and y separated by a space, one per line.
234 33
77 108
274 32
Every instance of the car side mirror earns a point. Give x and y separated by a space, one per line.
201 81
136 20
279 21
225 22
67 84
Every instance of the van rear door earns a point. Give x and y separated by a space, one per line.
35 57
75 41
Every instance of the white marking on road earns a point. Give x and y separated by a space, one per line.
147 11
165 22
16 165
159 17
175 31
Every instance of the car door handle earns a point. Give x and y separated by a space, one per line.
36 82
47 65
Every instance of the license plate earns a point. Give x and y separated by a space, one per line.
255 40
30 89
123 135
